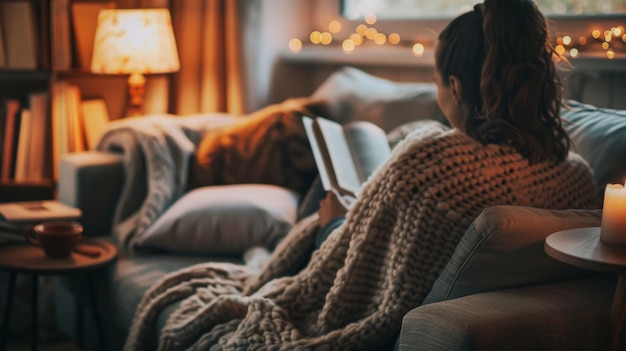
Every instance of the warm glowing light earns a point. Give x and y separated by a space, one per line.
326 38
370 33
559 41
608 38
394 38
607 33
356 38
380 38
617 31
295 45
361 28
624 38
595 34
348 46
334 26
315 37
418 49
370 19
559 49
573 52
582 40
610 54
605 45
567 40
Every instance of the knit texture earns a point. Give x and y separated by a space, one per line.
371 270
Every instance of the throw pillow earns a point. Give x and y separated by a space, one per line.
504 248
267 147
351 94
599 136
227 219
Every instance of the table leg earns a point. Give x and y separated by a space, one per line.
7 313
95 311
34 308
618 311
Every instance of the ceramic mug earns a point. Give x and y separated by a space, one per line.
57 239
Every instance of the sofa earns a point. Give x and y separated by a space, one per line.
498 291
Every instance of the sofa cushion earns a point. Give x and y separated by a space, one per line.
599 136
225 219
504 248
351 94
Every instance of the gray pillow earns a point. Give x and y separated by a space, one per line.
504 248
599 136
225 219
351 94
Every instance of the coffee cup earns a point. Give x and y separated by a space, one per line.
57 239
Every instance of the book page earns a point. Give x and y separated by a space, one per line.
320 160
340 154
369 146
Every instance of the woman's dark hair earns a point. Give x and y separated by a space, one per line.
502 55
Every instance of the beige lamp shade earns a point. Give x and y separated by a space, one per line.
134 41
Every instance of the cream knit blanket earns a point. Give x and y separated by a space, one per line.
373 269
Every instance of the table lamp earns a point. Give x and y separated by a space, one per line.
134 42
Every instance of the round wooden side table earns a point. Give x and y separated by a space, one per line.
21 258
582 248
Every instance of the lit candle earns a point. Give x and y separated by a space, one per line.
614 215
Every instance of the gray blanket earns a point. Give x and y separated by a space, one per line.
156 153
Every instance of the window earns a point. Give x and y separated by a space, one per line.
407 9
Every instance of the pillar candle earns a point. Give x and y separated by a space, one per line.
613 229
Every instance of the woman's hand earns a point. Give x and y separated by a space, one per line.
333 205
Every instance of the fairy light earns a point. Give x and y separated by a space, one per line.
608 40
334 26
295 45
356 38
370 33
394 38
567 40
315 37
326 38
348 46
380 38
559 49
418 49
370 19
595 34
360 29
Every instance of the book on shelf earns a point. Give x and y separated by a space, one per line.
345 155
20 34
68 134
32 212
11 131
60 40
22 161
95 120
39 133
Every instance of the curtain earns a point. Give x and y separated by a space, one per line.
208 35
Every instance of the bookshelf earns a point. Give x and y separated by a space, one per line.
45 53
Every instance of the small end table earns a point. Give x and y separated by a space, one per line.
582 248
22 258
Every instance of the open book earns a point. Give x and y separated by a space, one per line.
345 155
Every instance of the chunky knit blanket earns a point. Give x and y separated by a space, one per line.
374 268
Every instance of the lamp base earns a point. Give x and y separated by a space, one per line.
136 91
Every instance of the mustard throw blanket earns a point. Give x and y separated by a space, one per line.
373 269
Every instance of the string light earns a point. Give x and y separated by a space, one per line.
608 40
363 32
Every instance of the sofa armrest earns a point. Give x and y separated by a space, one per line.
569 315
92 181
